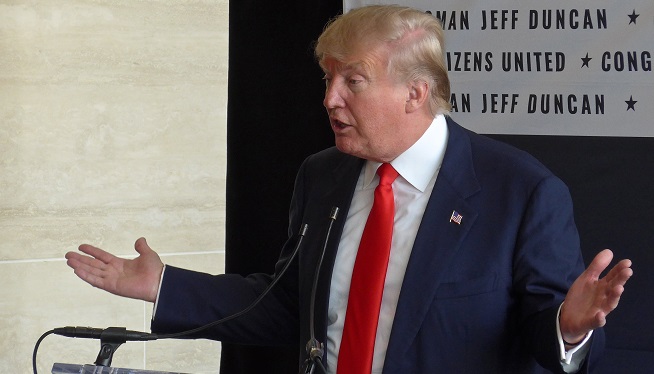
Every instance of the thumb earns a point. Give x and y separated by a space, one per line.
141 246
599 263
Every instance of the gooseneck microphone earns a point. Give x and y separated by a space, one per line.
110 333
316 349
110 339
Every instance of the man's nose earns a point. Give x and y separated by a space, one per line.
333 98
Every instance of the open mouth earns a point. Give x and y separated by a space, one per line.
338 124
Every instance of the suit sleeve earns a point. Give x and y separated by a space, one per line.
190 299
548 260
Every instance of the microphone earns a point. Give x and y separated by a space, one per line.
315 349
110 339
111 333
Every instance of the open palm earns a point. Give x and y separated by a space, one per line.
136 278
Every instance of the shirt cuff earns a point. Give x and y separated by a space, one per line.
566 356
156 301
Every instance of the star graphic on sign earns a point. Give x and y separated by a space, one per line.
586 60
631 103
632 17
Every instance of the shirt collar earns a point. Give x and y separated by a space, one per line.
418 164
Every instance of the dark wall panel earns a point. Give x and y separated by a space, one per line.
612 185
275 119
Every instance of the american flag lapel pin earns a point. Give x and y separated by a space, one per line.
456 217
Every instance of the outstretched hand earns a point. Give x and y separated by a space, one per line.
137 278
590 299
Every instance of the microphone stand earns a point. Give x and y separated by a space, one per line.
313 364
315 349
108 346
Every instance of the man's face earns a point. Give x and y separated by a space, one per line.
366 108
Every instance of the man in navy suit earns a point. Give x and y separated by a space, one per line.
485 272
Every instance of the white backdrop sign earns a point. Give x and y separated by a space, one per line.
548 68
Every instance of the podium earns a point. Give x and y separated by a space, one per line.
59 368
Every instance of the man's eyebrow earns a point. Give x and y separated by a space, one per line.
345 67
358 65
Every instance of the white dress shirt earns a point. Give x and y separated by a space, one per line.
418 167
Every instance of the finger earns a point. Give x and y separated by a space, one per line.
72 255
88 266
615 290
92 270
96 252
613 297
623 276
76 258
89 276
624 265
599 263
620 273
600 319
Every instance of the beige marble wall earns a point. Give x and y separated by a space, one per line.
112 126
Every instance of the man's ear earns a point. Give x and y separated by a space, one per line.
417 97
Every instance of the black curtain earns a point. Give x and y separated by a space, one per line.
275 119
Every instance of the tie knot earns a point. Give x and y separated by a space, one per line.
387 174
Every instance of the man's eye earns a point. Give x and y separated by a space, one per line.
355 81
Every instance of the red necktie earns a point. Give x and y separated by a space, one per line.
366 289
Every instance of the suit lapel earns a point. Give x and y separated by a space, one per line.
438 239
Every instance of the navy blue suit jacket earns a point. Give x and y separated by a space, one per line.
478 297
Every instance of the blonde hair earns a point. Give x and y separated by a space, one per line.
414 39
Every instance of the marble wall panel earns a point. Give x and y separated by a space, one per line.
112 127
